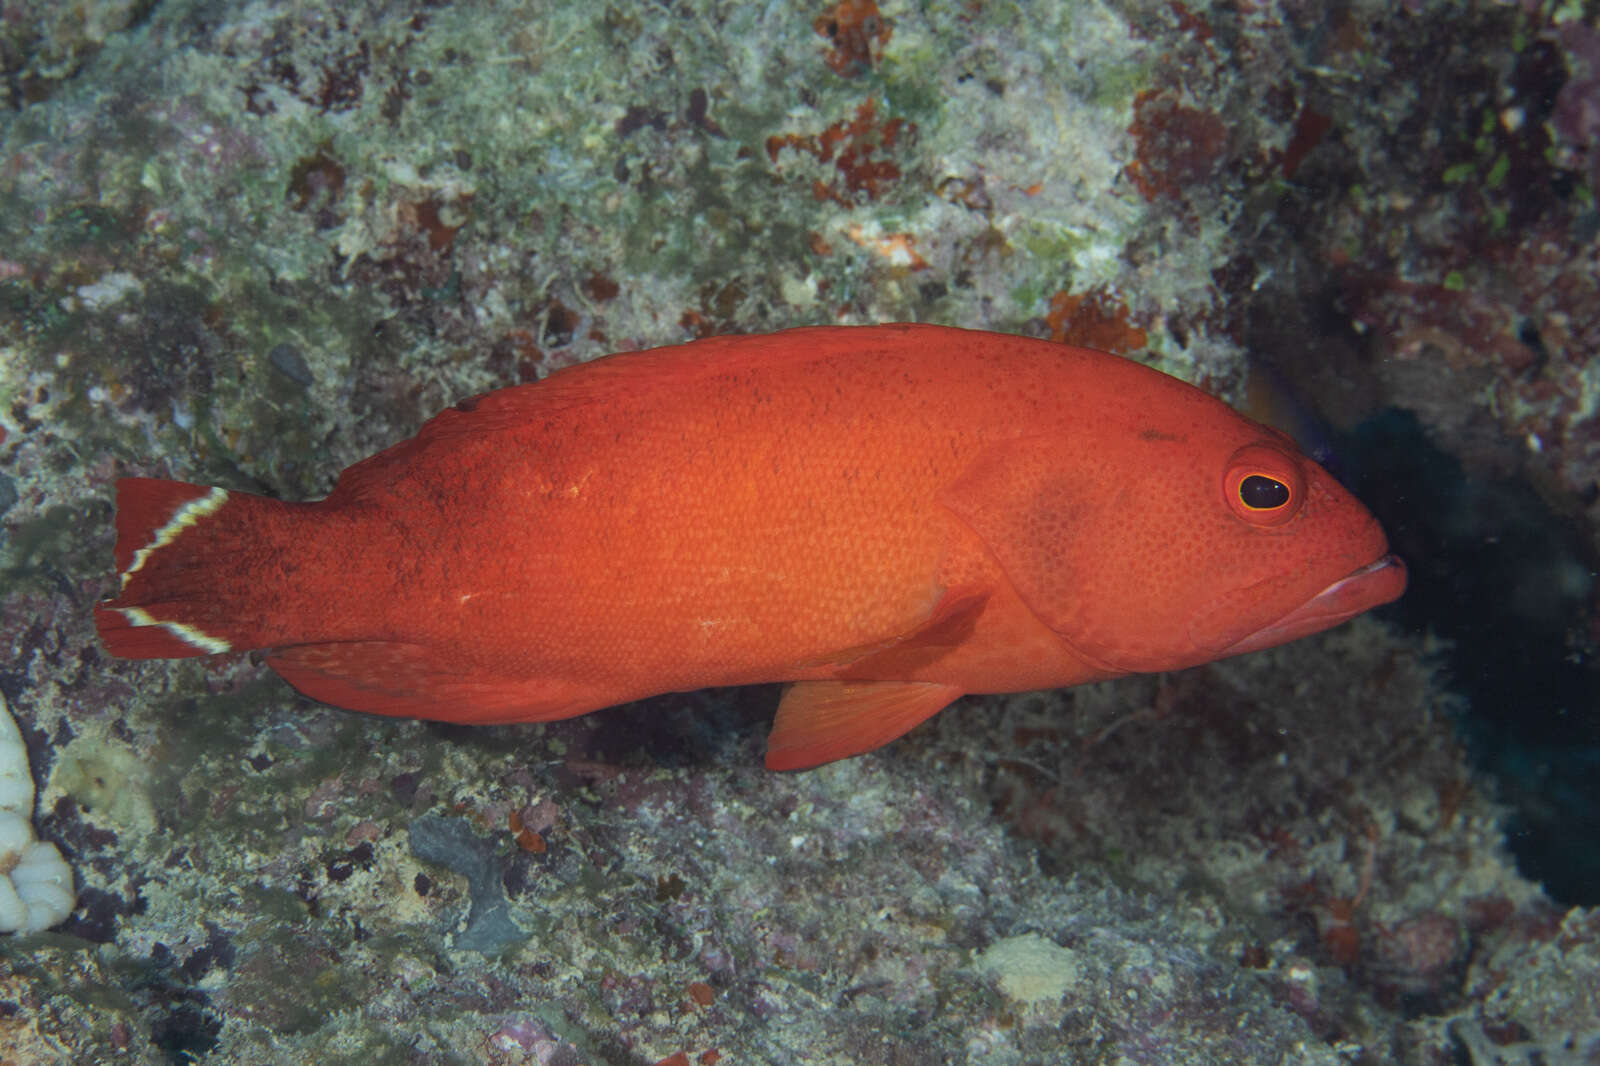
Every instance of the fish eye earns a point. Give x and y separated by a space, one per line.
1261 492
1264 484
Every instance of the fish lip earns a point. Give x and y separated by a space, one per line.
1377 583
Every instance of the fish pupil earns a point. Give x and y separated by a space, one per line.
1262 493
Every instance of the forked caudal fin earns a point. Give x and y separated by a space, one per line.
187 559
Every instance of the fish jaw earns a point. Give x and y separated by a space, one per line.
1373 585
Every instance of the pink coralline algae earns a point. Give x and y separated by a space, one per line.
1576 118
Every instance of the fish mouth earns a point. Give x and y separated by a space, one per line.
1375 584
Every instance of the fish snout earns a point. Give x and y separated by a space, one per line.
1380 581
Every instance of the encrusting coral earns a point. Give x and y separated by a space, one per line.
36 889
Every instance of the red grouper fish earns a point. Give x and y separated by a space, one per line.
886 516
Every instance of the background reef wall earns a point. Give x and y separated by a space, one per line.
251 244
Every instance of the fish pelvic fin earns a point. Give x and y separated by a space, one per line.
821 721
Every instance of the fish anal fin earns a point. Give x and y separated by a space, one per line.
409 681
821 721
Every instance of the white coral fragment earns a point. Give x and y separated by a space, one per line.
16 784
1031 969
36 888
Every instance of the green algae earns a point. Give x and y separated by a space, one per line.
35 549
109 782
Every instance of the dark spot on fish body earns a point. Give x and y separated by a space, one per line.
468 405
1154 434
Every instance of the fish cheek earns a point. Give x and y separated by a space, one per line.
1238 613
1040 508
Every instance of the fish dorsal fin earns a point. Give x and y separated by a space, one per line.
610 380
616 378
1030 501
820 721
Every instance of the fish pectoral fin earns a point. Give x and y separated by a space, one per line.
405 680
946 629
820 721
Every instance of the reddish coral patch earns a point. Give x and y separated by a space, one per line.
857 32
1463 329
526 838
1338 932
516 356
1310 127
431 219
316 177
1177 146
850 145
698 325
1093 319
600 288
719 310
897 249
1191 23
1419 956
970 193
